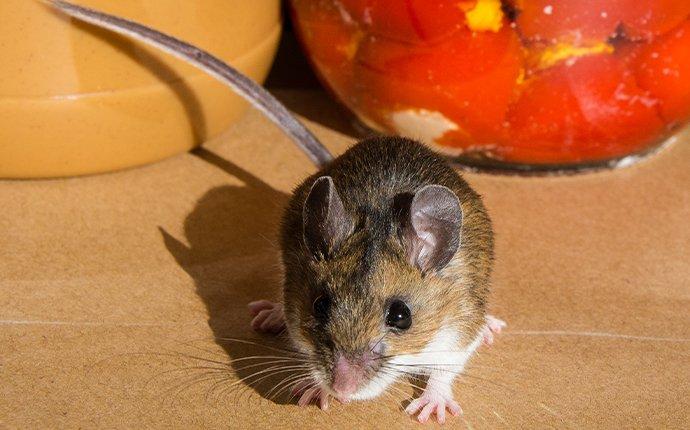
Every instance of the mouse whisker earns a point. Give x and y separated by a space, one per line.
460 373
271 371
171 354
215 386
274 370
290 377
248 342
189 368
199 358
190 343
397 401
415 369
444 351
229 387
186 384
267 363
177 371
379 341
209 371
405 382
416 377
427 365
229 363
401 372
273 357
282 384
463 368
285 384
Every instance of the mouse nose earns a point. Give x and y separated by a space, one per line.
346 377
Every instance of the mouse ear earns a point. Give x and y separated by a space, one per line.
431 228
326 223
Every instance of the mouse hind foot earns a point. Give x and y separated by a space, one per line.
493 326
268 317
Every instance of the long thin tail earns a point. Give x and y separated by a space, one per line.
212 65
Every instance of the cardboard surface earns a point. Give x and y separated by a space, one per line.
112 288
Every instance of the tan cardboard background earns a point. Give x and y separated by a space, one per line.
109 284
113 287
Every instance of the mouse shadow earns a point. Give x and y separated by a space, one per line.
233 257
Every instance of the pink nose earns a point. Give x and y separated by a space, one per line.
346 377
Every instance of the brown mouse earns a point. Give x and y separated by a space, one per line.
387 254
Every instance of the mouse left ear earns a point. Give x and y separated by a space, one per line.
326 222
431 228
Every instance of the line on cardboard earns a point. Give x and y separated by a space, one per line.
592 334
89 323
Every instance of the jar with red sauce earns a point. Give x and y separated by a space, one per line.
518 84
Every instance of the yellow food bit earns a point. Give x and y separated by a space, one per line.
486 15
350 49
521 76
563 51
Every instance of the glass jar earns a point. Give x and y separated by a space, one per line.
520 84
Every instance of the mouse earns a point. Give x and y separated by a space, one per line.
387 255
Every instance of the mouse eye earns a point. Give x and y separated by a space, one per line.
321 306
399 315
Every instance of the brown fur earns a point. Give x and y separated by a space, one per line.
370 268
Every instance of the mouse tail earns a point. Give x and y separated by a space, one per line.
247 88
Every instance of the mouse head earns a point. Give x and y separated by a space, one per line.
368 298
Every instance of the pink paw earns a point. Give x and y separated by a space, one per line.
268 316
430 403
308 394
493 326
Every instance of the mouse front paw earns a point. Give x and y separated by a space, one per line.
433 403
268 316
493 326
308 394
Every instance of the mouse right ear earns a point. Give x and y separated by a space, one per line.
431 228
326 223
